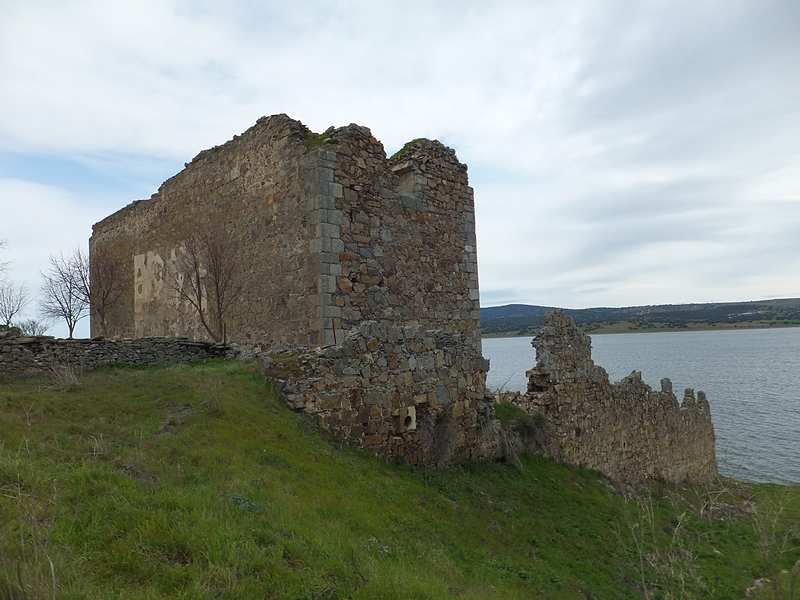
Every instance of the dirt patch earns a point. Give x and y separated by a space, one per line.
139 474
176 416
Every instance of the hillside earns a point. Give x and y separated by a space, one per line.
523 319
198 482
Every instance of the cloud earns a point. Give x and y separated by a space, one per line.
621 152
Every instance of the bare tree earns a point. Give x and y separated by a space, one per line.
12 300
210 276
3 264
32 327
105 284
64 292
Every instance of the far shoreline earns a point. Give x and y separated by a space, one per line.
628 327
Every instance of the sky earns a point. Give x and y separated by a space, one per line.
622 153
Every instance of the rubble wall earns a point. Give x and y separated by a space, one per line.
397 391
331 233
404 245
626 430
30 355
259 186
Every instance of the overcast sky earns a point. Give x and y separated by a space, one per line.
622 153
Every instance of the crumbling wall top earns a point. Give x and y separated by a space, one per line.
625 430
422 151
563 351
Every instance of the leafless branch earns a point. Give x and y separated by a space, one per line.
12 300
32 327
210 277
65 289
3 264
106 283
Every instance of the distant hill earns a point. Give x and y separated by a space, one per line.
523 319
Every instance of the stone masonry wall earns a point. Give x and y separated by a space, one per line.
396 391
370 260
405 236
25 355
627 430
365 267
331 236
255 186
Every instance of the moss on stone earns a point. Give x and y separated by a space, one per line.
317 140
413 145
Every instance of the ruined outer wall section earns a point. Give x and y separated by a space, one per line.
33 355
396 391
262 186
402 238
627 430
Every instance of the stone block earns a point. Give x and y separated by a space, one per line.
373 397
407 419
327 230
327 284
371 440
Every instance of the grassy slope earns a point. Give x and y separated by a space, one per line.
197 482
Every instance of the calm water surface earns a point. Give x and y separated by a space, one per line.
749 376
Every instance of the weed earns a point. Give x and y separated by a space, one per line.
527 432
317 140
99 448
778 533
412 145
213 397
65 375
28 570
245 504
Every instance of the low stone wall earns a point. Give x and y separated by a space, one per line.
626 430
404 392
396 391
24 355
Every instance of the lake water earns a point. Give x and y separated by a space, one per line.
750 378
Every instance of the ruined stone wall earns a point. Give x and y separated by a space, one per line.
396 391
331 236
255 185
626 430
404 237
27 355
370 260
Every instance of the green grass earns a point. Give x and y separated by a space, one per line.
413 145
198 482
317 140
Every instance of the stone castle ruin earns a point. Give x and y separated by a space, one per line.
362 285
625 430
370 258
331 231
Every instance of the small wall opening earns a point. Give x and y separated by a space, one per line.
405 183
410 183
407 419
